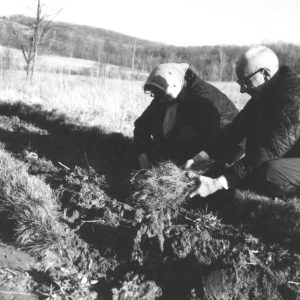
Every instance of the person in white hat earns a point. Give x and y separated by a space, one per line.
270 122
184 117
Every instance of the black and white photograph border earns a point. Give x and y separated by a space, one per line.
149 150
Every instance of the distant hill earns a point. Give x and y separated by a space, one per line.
214 63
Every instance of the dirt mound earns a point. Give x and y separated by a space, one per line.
204 259
140 239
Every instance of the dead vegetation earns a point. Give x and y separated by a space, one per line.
165 186
30 203
99 235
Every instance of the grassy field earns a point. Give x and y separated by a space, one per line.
94 99
97 229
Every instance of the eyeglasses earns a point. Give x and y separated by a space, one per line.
155 92
245 82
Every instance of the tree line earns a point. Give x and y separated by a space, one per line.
214 63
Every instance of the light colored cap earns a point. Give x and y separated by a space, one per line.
168 77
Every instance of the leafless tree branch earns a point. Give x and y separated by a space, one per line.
31 38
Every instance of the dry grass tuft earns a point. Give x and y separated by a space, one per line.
36 229
30 203
165 186
207 221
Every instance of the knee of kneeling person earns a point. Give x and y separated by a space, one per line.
269 171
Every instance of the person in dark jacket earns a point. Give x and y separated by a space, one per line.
184 117
270 122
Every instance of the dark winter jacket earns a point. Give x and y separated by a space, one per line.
200 115
270 123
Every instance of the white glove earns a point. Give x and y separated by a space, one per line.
207 185
202 156
144 162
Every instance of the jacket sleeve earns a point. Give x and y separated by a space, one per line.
238 129
274 143
214 125
143 129
208 124
226 145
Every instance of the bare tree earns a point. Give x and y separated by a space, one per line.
223 62
30 37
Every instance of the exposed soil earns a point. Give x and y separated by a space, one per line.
134 249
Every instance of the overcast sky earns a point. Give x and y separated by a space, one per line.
180 22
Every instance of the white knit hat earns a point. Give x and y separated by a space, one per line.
168 77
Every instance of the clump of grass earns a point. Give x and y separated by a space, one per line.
207 221
36 229
165 186
29 202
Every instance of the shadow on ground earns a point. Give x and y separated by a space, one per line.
190 254
51 135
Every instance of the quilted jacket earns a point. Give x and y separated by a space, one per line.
269 122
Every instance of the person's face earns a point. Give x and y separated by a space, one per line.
252 82
162 97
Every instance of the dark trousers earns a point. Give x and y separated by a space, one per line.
280 177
